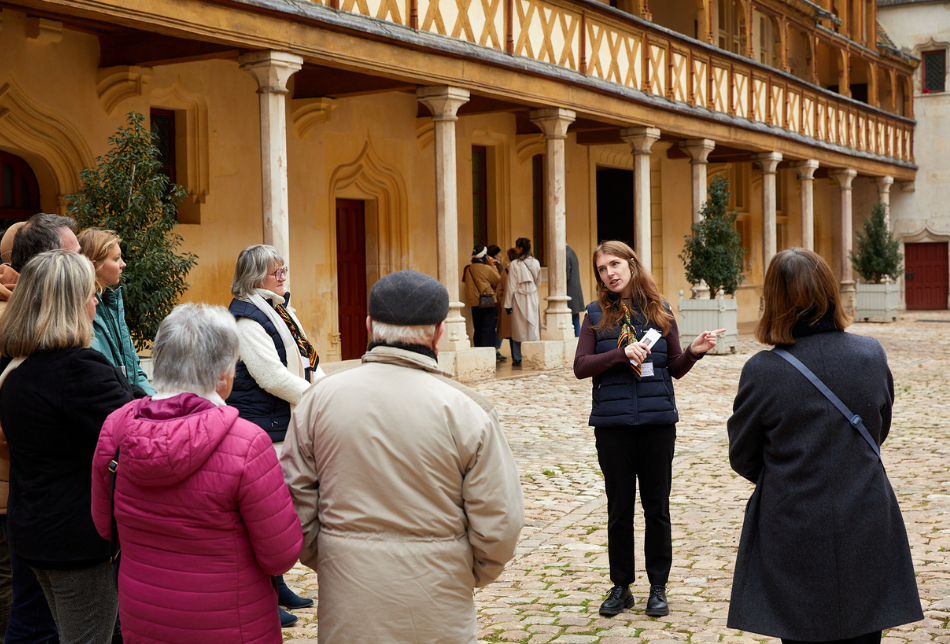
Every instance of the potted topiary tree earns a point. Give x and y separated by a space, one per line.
878 261
126 191
712 257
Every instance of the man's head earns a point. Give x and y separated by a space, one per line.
41 233
407 307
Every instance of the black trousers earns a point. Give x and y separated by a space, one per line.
870 638
483 323
628 454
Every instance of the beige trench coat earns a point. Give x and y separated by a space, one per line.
521 296
408 496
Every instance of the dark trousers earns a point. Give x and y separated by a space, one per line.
870 638
628 454
483 321
31 621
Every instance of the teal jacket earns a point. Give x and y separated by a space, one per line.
111 338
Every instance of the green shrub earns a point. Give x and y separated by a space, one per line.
878 253
713 253
127 192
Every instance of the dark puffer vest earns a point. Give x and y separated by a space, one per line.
619 398
270 413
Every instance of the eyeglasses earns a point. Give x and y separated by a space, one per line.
280 273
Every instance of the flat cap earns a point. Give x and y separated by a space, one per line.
408 298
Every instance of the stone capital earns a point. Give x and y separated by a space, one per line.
698 149
443 101
271 69
768 161
884 184
844 178
806 169
553 121
641 139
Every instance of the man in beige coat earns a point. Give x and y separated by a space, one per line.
405 486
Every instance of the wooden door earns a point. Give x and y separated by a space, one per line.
926 275
351 276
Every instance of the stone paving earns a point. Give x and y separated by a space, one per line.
553 588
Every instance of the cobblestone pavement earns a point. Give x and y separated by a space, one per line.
553 588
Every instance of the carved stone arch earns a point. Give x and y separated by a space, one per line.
191 114
528 146
55 149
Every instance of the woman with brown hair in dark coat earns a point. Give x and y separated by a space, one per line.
824 554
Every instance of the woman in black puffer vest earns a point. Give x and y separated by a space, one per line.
634 414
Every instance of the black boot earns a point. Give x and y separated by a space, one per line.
618 598
656 605
286 619
286 597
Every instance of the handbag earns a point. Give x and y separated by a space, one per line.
853 419
115 550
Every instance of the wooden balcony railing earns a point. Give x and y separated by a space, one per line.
593 39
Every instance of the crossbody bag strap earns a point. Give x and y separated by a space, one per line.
854 420
115 548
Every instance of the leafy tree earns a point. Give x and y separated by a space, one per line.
126 191
878 252
713 253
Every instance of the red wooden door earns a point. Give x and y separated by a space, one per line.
351 276
926 275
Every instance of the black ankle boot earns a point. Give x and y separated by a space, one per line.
287 597
657 605
618 598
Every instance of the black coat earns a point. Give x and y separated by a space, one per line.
823 553
574 288
51 409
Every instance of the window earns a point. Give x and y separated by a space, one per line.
163 126
934 71
537 209
729 26
19 190
480 194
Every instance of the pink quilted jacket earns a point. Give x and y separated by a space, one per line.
204 519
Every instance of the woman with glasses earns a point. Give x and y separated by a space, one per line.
277 362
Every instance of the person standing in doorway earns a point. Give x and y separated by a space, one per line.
497 258
521 299
480 279
634 414
574 289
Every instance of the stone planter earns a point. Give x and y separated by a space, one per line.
877 301
708 315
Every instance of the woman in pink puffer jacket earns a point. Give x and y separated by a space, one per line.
203 515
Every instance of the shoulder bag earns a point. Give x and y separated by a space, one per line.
853 419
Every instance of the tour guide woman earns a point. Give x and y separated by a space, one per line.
634 414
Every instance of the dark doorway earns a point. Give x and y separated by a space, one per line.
351 276
19 190
615 205
926 276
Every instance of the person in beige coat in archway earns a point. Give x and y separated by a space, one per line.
404 483
521 298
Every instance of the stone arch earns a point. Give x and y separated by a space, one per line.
55 149
529 146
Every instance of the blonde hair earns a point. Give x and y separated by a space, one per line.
47 310
95 243
251 270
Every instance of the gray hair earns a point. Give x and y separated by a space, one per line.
422 334
195 345
252 267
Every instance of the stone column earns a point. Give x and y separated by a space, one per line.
272 70
698 151
844 179
806 175
557 318
444 101
768 161
641 139
884 196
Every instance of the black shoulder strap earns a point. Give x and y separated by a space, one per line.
114 545
853 419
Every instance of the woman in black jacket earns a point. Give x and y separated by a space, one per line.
55 393
823 554
634 414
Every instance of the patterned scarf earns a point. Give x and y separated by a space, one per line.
306 349
628 334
